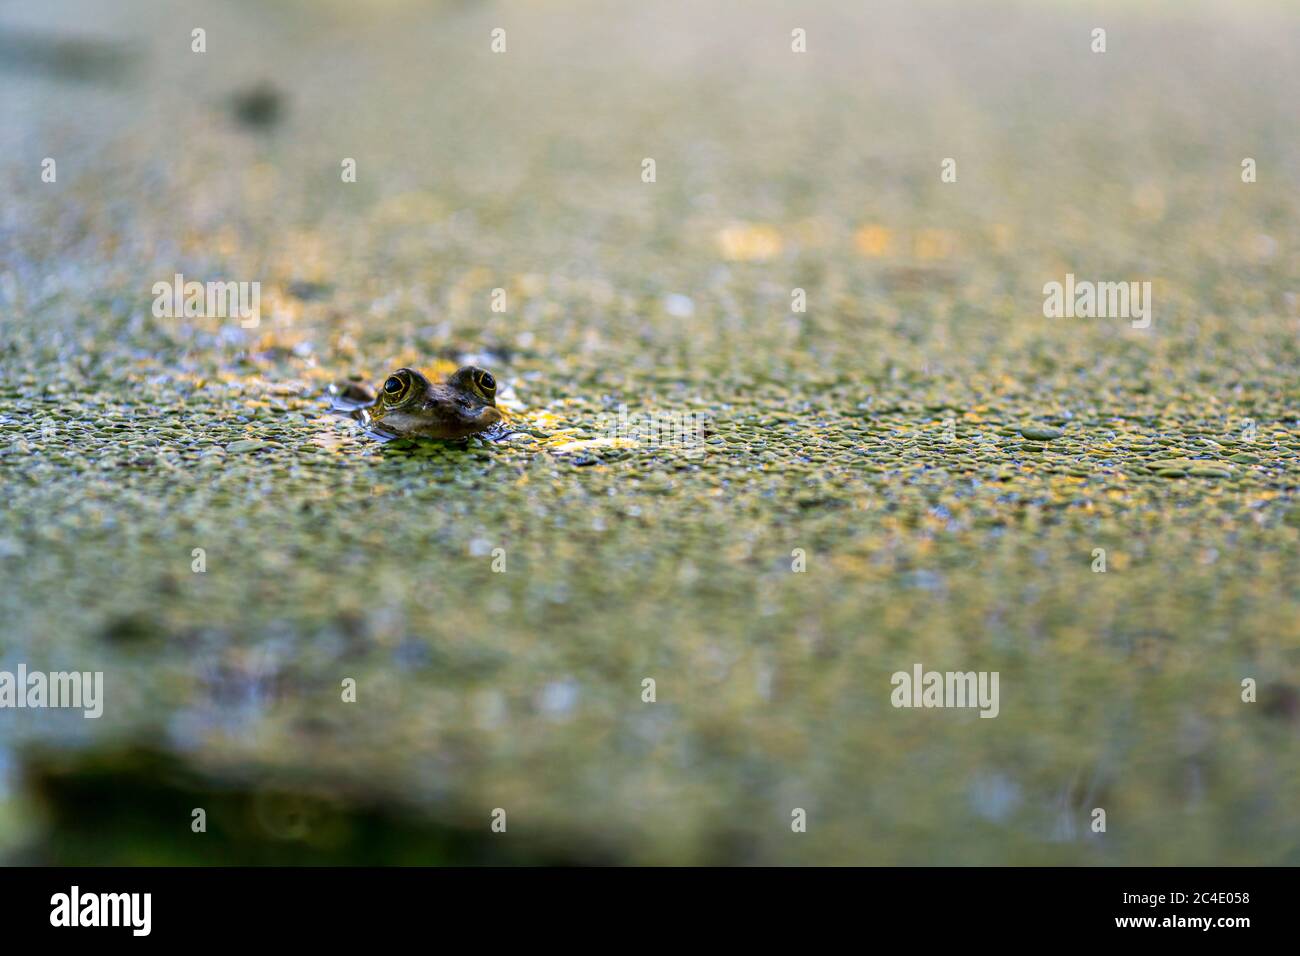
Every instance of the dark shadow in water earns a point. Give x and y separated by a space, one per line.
136 806
75 59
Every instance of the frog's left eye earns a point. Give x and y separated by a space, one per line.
487 382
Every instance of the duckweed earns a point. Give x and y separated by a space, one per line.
918 468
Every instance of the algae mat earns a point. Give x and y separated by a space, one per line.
872 451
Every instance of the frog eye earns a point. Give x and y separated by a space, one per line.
486 381
396 386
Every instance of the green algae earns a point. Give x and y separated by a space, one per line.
884 434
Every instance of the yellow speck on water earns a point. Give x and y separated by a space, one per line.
749 242
589 443
439 369
873 241
417 208
530 283
543 421
1003 236
329 441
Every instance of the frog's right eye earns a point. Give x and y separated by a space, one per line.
394 385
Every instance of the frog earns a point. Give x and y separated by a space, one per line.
408 405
